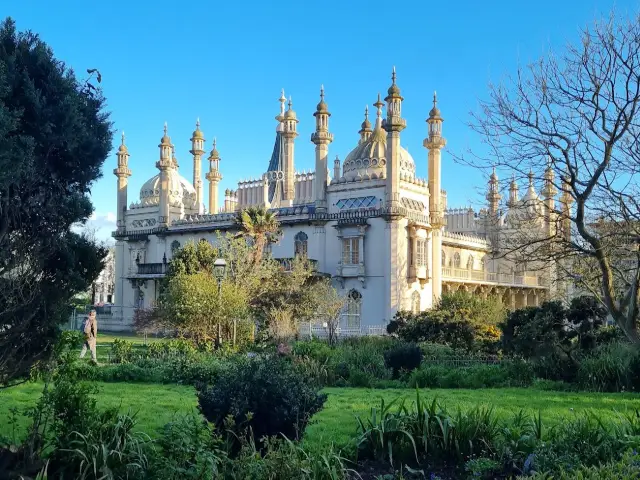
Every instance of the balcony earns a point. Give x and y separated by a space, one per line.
482 277
152 268
419 272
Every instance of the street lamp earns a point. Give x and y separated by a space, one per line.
219 267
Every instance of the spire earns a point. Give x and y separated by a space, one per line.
493 195
322 106
378 106
435 111
197 133
122 148
166 140
282 100
365 130
394 90
290 113
513 192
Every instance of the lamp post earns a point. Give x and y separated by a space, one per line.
219 268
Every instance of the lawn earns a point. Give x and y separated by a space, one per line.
336 423
154 404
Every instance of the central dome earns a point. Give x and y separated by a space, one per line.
368 158
181 192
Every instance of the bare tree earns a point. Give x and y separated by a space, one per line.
571 123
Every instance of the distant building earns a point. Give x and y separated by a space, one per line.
102 290
384 235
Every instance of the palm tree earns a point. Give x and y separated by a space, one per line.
261 226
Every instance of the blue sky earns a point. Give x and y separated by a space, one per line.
226 62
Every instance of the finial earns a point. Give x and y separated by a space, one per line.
282 97
435 98
214 143
290 102
198 122
165 128
393 75
123 137
366 117
530 178
321 92
379 105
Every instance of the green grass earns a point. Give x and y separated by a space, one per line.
108 338
154 405
336 423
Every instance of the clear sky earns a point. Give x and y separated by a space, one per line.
226 62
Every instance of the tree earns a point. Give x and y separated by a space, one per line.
571 122
54 138
260 225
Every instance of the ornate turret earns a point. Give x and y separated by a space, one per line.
434 143
513 193
566 200
321 138
365 130
197 150
214 176
122 172
493 193
549 192
165 164
393 125
336 169
290 126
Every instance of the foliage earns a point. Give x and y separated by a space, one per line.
404 357
613 367
460 320
627 468
506 374
54 138
267 396
261 226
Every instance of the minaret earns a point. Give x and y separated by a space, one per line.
493 194
549 192
321 138
214 176
513 193
197 150
566 200
393 125
289 133
435 142
365 131
165 164
122 172
336 168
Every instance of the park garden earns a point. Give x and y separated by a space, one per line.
217 382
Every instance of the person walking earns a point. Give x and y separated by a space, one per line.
90 329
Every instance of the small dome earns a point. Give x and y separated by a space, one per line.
369 157
197 134
322 107
181 192
122 148
394 90
290 114
434 112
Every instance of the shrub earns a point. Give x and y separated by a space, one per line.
403 357
611 368
121 351
507 374
267 396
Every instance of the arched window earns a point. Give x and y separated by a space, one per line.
444 259
175 246
415 302
300 244
352 309
483 265
470 262
456 260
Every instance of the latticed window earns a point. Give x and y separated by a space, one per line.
351 251
358 202
470 262
352 309
300 244
444 259
456 260
415 302
482 264
421 258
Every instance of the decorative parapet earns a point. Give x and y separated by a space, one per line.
450 274
396 211
225 218
464 237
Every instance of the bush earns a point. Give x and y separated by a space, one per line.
121 351
611 368
506 374
406 356
265 396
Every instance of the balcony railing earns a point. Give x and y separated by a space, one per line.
449 273
152 268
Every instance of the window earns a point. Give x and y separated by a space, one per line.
482 264
355 203
351 251
470 262
415 302
444 259
175 246
300 244
352 309
456 260
421 258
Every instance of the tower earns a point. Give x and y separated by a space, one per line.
289 133
566 200
321 138
122 172
434 143
365 130
336 168
513 193
165 164
393 125
214 176
549 192
197 150
493 194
